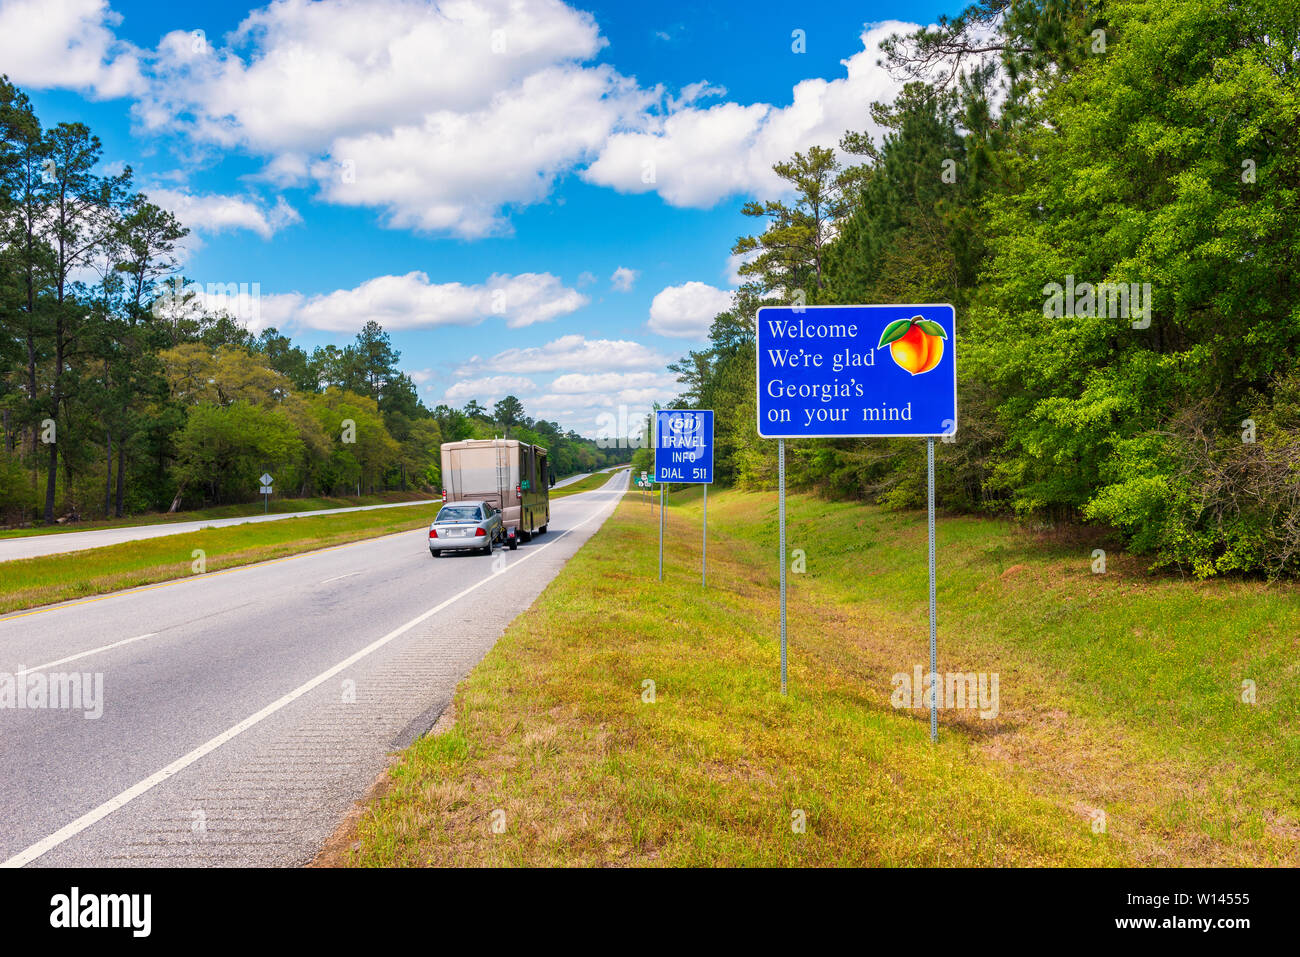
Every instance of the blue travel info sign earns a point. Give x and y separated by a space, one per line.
684 446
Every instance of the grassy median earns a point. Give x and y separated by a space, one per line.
30 582
593 481
277 506
1121 736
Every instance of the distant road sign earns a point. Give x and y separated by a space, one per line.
684 445
856 371
266 478
266 490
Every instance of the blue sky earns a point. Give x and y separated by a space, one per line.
533 197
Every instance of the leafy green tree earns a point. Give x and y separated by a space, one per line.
144 251
370 362
18 130
508 412
914 236
327 366
1194 200
224 449
80 220
419 455
400 398
361 452
28 255
788 254
289 360
453 423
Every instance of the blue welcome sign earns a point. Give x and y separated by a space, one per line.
856 371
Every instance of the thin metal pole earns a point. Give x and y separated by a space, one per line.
704 553
661 532
934 662
780 472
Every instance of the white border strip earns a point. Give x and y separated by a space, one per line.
758 381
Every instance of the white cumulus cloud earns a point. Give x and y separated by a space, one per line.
487 390
213 212
411 301
455 171
296 74
572 352
623 279
687 311
604 384
698 155
67 44
445 116
440 115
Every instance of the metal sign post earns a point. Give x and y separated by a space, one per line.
661 533
266 492
878 371
704 544
780 478
934 648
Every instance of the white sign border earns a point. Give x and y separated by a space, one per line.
758 405
713 459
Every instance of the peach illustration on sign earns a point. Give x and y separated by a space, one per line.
915 344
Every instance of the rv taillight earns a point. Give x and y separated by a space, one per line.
478 532
519 492
444 495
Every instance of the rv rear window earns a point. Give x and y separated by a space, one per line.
481 471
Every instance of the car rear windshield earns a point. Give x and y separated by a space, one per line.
460 513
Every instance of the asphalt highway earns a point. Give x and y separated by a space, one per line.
244 711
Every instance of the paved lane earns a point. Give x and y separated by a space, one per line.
337 657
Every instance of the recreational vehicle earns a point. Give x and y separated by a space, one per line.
512 475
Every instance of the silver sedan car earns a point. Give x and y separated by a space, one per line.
466 526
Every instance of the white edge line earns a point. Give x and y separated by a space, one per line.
90 818
86 654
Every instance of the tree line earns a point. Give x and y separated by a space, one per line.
123 390
1047 144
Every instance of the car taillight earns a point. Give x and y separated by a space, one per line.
478 532
433 533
